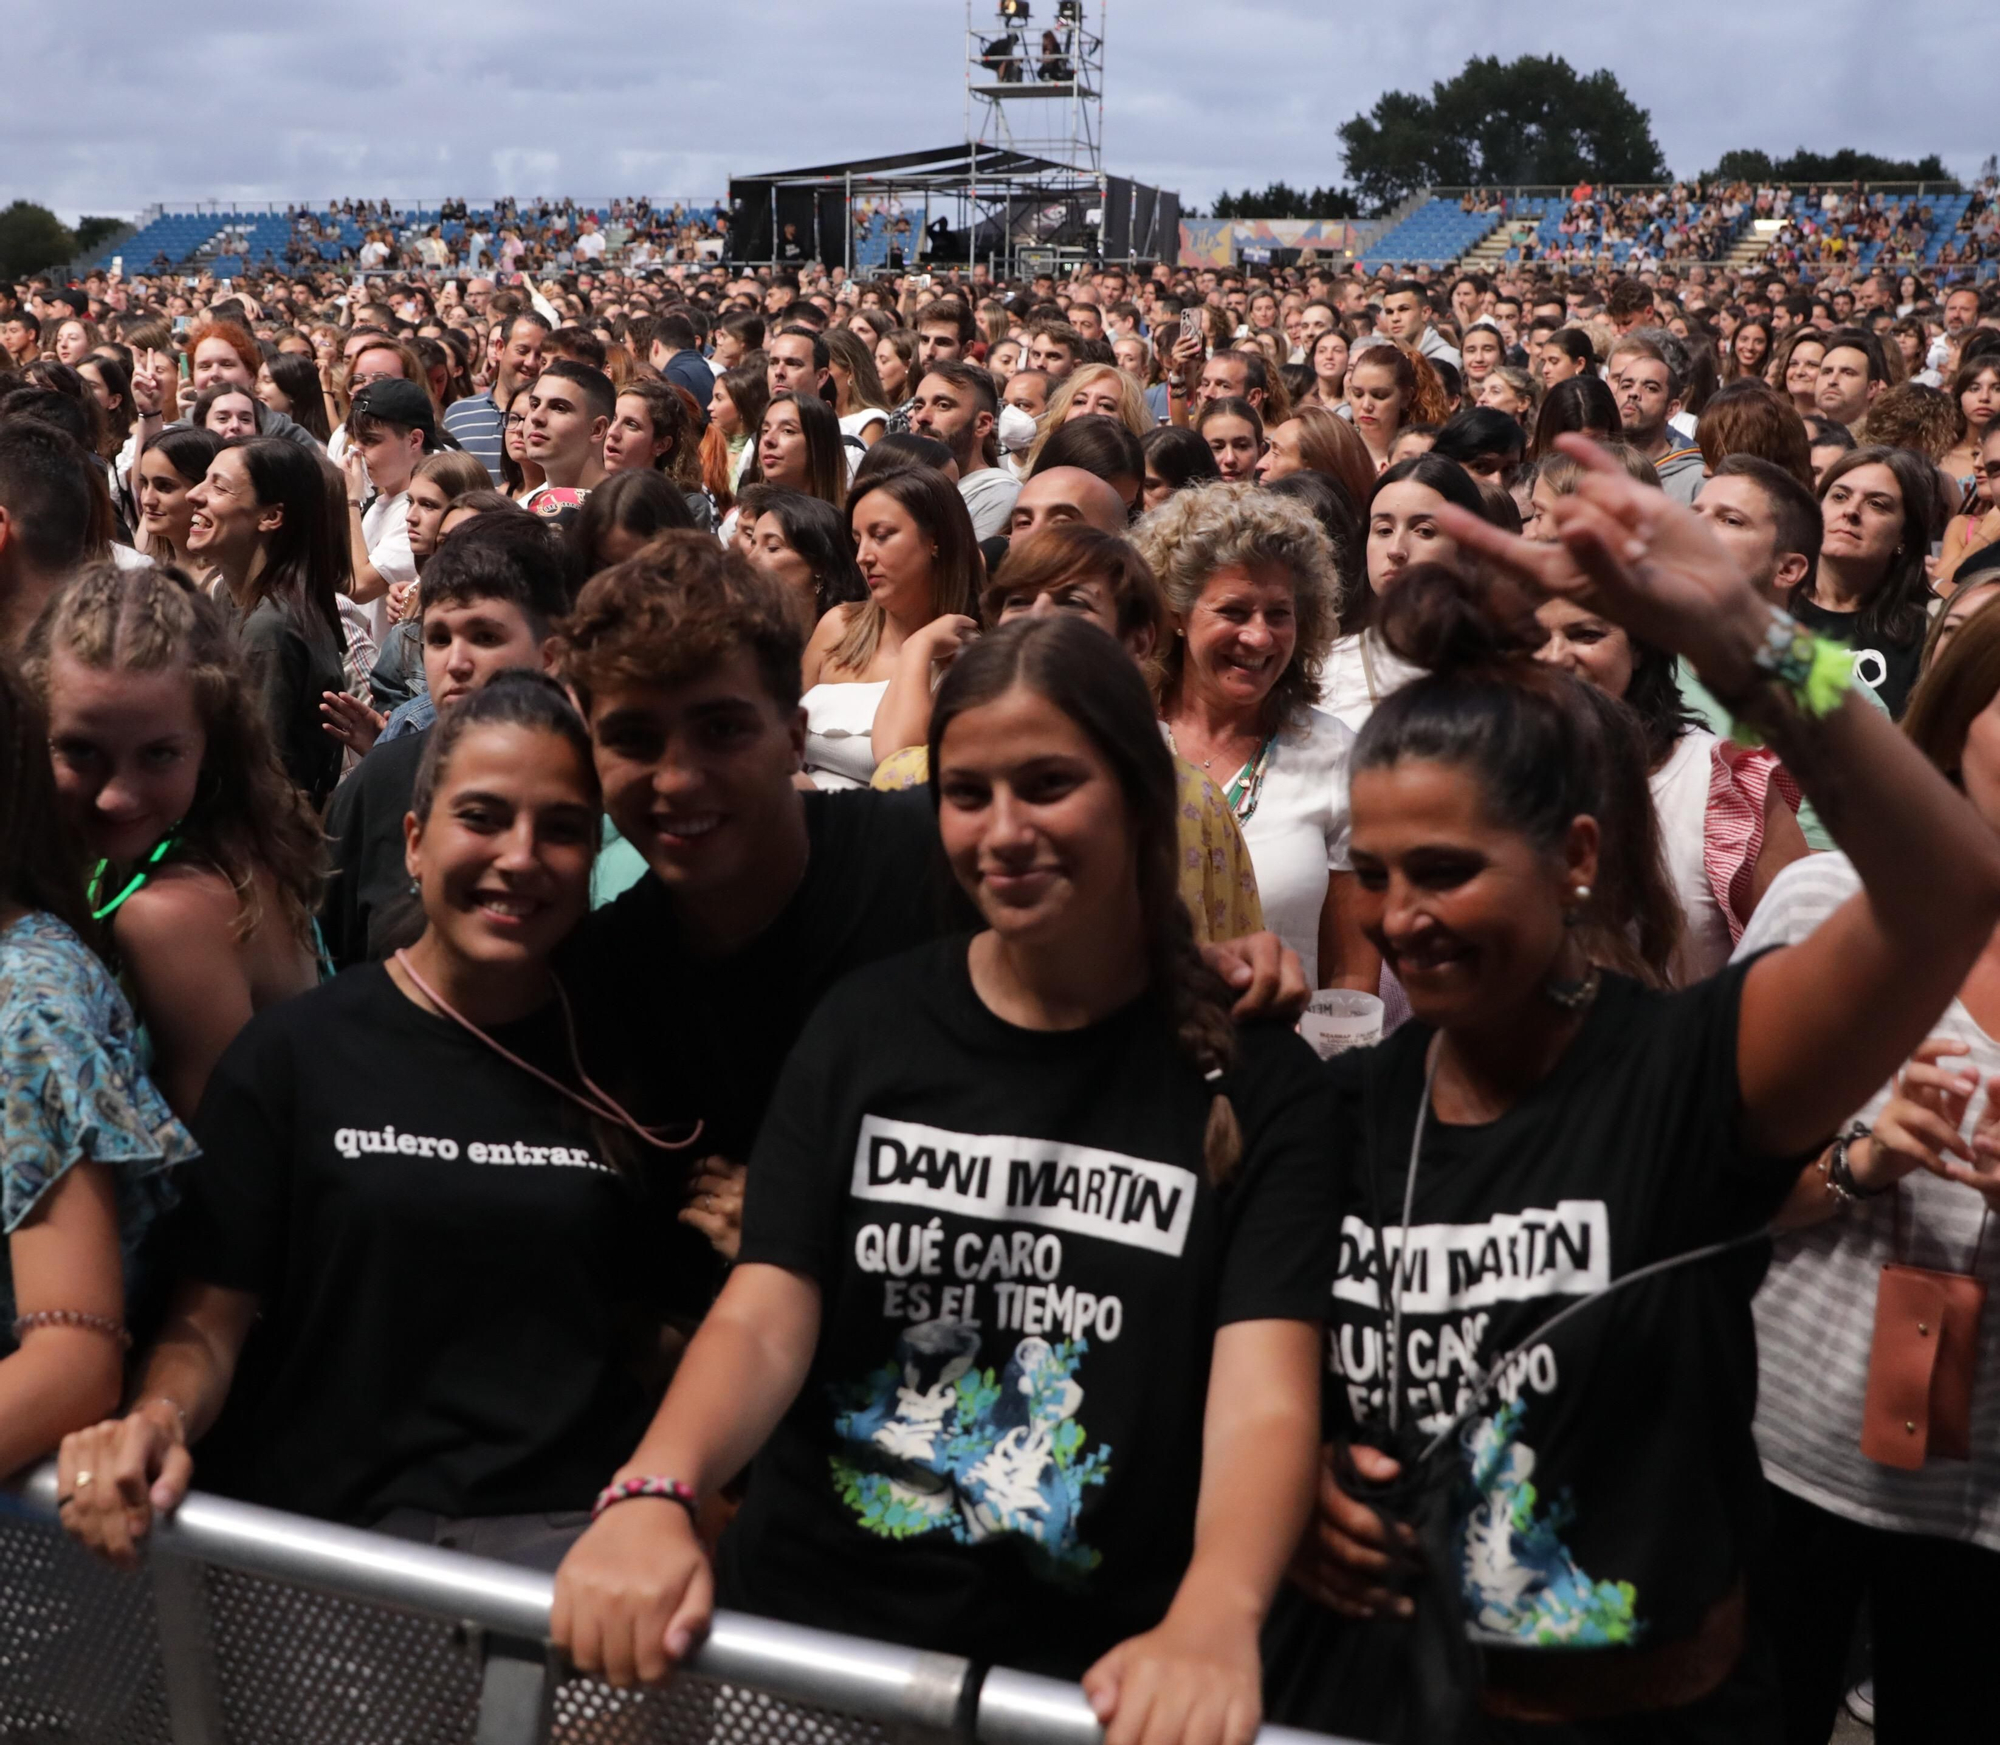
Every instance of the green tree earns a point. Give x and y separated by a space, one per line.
1845 165
1534 120
32 237
1281 200
90 232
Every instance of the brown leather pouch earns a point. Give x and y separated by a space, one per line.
1920 1367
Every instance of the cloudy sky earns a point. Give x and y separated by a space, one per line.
110 109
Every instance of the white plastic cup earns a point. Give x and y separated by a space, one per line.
1337 1019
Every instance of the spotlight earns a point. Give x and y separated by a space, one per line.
1069 12
1014 11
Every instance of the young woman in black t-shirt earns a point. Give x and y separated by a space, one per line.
451 1269
1543 1129
1022 1334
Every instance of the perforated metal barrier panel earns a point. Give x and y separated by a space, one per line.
248 1627
81 1661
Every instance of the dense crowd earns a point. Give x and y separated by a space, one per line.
701 928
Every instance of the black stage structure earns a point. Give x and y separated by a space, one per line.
1008 210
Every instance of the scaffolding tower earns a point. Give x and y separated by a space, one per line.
1036 85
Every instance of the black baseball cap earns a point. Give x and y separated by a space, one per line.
395 401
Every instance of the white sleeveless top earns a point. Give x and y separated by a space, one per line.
839 720
1680 801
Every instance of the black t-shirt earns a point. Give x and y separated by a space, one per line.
1611 1481
454 1282
364 824
1889 669
704 1037
1022 1269
290 669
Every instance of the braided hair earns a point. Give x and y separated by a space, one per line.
246 817
1096 684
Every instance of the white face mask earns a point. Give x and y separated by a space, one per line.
1015 429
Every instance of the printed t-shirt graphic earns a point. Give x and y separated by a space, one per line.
939 1442
1638 1409
1022 1267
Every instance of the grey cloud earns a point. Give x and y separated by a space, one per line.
108 113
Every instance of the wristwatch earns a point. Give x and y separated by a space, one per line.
1839 1178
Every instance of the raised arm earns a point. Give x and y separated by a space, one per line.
1825 1022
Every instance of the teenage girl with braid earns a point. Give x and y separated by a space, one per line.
1022 1331
86 1145
202 861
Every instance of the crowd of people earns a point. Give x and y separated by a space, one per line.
663 924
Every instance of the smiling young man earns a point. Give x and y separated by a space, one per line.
759 896
489 596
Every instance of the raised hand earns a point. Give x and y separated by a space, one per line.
1629 552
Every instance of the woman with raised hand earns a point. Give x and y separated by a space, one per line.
1089 1463
416 1146
1591 1482
207 861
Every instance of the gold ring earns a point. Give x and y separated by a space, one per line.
82 1479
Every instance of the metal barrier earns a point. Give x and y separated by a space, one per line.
245 1626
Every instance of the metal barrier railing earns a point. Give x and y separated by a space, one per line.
246 1626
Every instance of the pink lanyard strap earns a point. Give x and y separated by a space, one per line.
604 1106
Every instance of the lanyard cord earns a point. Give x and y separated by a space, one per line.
1491 1378
161 849
1400 1270
599 1103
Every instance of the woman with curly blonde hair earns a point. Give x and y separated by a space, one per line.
1255 597
1094 391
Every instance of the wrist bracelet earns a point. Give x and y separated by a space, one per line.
1814 672
108 1325
668 1489
1839 1177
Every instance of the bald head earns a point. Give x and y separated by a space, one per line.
1067 494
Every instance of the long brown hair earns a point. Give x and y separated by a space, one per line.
1084 673
246 818
40 867
1956 690
957 570
1329 444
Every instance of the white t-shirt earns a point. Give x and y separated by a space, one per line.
385 525
1680 802
1297 834
1358 674
1816 1308
989 499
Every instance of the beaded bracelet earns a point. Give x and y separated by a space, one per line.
670 1489
105 1324
1814 672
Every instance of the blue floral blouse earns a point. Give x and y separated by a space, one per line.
71 1088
